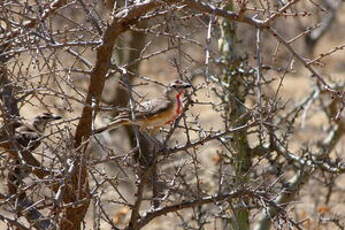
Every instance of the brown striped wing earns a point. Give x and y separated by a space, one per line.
148 109
153 107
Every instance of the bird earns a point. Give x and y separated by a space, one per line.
154 113
27 135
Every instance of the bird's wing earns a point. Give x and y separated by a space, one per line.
153 107
24 135
28 139
150 109
147 108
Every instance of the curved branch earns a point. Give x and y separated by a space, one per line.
192 203
120 23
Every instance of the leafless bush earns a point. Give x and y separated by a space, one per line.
245 153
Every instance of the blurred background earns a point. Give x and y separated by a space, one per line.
289 151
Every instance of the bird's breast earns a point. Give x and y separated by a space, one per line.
160 119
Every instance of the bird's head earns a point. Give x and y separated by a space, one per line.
177 87
40 122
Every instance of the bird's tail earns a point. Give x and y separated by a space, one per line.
112 125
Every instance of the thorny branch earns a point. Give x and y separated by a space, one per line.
44 78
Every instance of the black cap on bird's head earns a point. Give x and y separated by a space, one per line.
48 117
179 85
43 119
